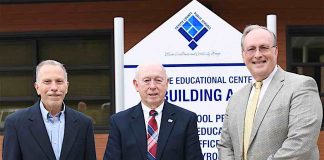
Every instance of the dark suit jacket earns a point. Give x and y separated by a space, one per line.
26 137
178 135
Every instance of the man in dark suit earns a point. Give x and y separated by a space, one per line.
49 130
154 129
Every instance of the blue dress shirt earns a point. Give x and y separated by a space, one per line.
55 128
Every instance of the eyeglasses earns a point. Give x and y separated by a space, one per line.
157 80
262 49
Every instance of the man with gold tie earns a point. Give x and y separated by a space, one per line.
278 116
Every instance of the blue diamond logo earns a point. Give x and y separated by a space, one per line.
186 26
195 23
193 30
193 45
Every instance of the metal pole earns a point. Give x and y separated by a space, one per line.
119 63
272 23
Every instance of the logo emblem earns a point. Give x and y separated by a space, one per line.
193 28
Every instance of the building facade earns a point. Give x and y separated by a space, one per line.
79 34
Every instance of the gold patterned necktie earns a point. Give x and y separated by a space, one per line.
249 116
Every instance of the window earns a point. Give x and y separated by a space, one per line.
87 56
305 53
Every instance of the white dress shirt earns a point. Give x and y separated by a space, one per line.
158 117
265 85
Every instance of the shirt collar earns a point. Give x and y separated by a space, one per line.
45 113
146 109
269 78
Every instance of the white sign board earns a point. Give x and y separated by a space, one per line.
202 56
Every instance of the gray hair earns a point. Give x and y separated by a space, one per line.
50 62
250 28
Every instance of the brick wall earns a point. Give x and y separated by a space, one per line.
142 17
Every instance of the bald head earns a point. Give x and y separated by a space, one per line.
151 82
143 68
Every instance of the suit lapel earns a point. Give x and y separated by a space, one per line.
167 122
242 104
39 132
138 127
71 129
271 92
